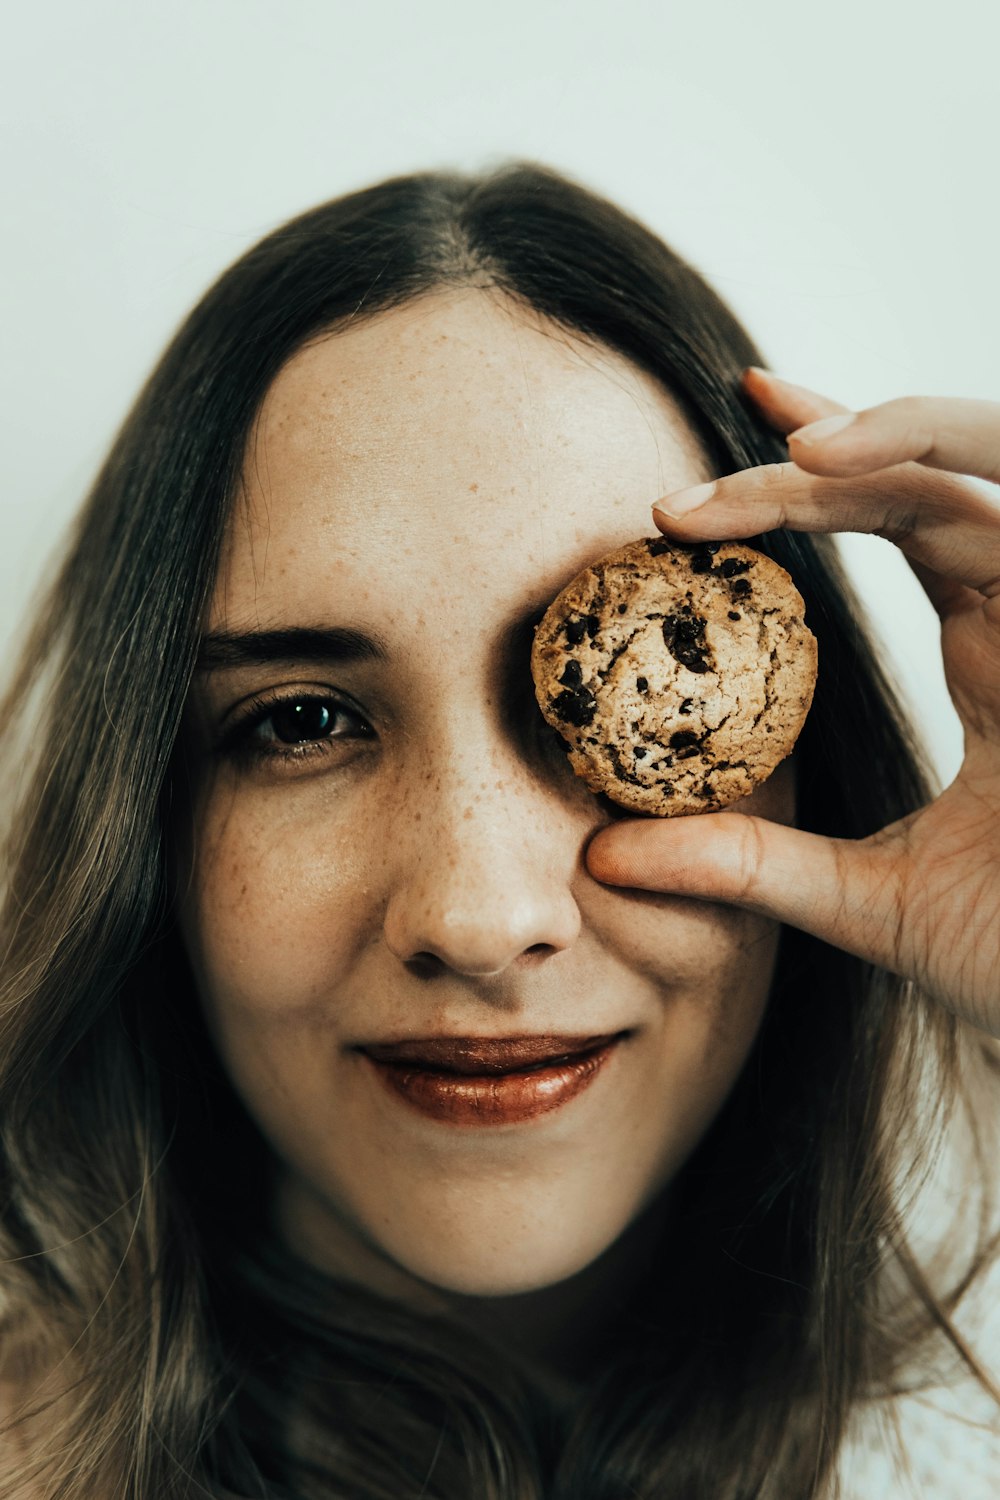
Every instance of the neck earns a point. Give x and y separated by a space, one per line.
561 1336
564 1335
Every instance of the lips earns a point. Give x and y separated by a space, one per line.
490 1080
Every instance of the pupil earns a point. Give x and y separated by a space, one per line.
295 722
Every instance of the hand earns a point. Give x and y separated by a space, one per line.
921 897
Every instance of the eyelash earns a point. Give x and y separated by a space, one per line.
239 743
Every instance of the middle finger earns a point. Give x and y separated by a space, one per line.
936 519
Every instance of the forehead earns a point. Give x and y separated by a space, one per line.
421 448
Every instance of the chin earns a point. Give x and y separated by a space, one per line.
502 1267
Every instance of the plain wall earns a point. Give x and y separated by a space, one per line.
833 171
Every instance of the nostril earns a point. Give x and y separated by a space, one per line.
538 951
427 965
424 965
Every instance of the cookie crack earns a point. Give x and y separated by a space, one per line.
774 667
614 755
619 651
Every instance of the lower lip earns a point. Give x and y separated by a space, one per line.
496 1098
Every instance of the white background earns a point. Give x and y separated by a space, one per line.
834 171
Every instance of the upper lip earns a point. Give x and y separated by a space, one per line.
485 1054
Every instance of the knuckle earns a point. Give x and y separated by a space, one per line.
772 476
913 419
907 406
746 858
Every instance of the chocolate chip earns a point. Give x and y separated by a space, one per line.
691 657
683 739
734 565
593 625
577 707
622 608
572 675
710 547
642 684
575 631
657 546
641 752
735 615
684 637
741 586
685 707
701 561
687 631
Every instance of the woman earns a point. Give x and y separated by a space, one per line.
291 824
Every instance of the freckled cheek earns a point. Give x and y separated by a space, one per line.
713 970
277 913
711 967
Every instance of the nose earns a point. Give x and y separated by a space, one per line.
484 874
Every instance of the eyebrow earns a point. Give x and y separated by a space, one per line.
224 649
254 648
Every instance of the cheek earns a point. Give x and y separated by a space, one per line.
274 906
700 952
711 964
732 955
711 968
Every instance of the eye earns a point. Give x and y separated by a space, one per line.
295 727
299 719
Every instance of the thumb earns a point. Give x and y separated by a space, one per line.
837 889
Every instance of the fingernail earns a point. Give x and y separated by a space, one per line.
817 432
685 501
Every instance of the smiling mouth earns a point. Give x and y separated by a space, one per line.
490 1080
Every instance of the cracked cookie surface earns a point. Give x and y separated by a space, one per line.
677 677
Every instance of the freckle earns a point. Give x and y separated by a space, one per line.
467 814
473 489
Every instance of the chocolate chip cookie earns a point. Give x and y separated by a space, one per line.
677 677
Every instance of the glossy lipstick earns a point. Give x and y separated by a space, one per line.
490 1080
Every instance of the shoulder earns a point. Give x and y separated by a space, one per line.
942 1437
943 1442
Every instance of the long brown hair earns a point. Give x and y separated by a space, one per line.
198 1356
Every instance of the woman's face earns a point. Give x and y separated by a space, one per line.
387 844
